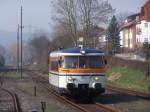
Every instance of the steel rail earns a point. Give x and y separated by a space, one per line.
15 100
108 108
59 97
101 107
145 95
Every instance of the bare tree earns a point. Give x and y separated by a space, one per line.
93 12
39 47
121 17
82 15
2 50
2 53
2 60
67 13
61 37
27 54
86 6
12 52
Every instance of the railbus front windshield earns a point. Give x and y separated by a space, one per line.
83 62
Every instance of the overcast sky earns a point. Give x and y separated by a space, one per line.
35 12
38 14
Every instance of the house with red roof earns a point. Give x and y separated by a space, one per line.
136 29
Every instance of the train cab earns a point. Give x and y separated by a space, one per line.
78 71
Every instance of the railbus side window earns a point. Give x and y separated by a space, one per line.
95 62
49 63
54 64
83 62
71 62
61 62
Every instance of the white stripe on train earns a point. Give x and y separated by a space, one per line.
76 73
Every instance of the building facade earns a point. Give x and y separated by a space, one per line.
136 29
128 33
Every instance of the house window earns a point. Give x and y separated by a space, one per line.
137 40
146 25
138 31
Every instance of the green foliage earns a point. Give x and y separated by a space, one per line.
113 36
127 77
12 75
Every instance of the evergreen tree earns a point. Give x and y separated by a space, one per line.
113 37
2 60
146 50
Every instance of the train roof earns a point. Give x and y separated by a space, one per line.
77 51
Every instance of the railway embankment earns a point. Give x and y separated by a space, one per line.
128 74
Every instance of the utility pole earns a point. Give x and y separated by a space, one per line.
18 49
21 43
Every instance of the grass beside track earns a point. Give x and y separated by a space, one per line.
27 87
128 78
12 75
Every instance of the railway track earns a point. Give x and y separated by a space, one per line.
8 69
109 87
145 95
128 91
82 107
9 101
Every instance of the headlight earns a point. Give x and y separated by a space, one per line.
82 52
96 78
72 79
